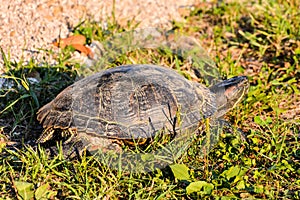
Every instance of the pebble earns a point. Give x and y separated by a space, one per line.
29 26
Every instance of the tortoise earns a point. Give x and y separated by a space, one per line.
134 102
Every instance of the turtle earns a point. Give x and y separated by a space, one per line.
134 103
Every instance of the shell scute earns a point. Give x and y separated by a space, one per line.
64 120
51 118
63 101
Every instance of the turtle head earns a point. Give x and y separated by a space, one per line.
229 93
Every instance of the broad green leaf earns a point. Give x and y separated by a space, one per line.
234 171
41 192
228 197
198 186
180 171
25 189
241 185
262 122
258 121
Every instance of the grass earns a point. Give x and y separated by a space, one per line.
254 38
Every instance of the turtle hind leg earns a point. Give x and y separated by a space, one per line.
47 135
70 134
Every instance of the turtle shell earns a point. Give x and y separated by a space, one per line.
130 102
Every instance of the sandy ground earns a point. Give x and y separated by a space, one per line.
29 25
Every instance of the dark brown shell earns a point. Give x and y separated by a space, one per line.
129 102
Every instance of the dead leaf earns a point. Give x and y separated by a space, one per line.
77 42
83 49
74 39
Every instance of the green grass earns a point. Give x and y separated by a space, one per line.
260 40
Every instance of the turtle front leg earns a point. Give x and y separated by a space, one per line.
48 134
71 133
